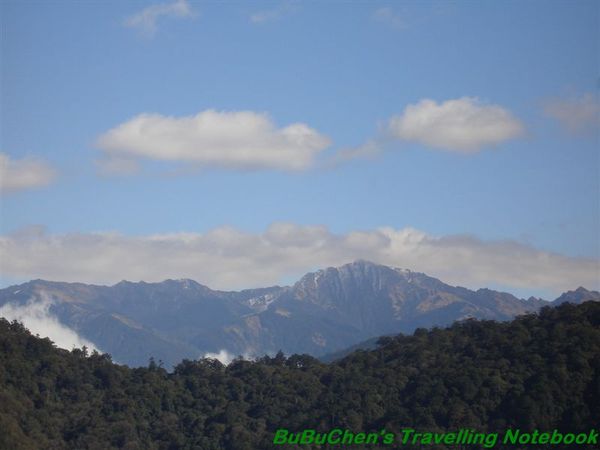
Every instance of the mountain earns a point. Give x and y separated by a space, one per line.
170 321
331 308
324 312
578 296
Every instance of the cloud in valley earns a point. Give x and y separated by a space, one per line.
228 258
575 114
38 319
235 140
22 174
224 357
464 125
146 20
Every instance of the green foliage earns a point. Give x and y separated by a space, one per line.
539 371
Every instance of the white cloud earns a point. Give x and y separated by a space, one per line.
21 174
227 258
270 15
575 114
36 317
146 20
225 357
463 125
238 140
388 16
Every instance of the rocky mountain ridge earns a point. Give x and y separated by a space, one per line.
325 311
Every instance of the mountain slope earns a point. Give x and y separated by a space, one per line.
325 311
578 296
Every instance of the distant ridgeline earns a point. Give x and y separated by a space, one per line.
325 312
539 374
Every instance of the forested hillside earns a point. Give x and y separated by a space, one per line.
540 371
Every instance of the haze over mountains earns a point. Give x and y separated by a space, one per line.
324 312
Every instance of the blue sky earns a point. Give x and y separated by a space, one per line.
148 140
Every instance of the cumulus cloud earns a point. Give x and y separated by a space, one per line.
388 16
228 258
38 319
463 125
146 20
22 174
575 114
237 140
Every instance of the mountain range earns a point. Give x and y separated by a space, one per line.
324 312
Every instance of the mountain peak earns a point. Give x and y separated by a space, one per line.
185 283
366 264
579 295
362 262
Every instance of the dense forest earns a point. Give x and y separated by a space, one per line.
538 372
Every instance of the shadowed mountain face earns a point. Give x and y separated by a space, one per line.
323 312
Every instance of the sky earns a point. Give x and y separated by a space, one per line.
242 144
